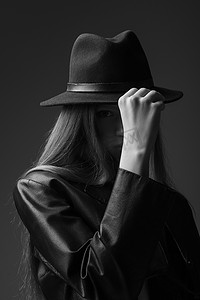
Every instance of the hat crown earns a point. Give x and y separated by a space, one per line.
102 69
95 59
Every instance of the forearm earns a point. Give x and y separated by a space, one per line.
135 162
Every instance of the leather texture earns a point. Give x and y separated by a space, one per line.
103 243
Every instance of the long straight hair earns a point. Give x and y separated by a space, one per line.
73 151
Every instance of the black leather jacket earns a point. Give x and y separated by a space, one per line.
102 243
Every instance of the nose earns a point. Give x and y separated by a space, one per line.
119 129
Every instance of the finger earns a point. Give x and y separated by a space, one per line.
131 92
142 92
158 105
154 96
134 91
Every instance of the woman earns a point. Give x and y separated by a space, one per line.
102 219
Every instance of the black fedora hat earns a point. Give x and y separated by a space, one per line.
103 69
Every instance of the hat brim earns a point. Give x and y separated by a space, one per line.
105 97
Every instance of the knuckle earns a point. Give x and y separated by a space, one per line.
134 98
143 89
130 92
155 104
158 104
153 92
144 99
156 96
133 89
157 93
121 100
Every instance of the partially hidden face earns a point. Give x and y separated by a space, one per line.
109 127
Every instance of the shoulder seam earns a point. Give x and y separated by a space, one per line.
46 186
31 180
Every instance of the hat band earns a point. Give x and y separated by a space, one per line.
108 87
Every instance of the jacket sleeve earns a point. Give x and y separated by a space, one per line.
183 247
112 262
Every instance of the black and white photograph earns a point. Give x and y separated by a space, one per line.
100 151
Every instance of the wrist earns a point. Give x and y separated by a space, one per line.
135 161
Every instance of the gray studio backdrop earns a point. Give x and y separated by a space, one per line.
36 44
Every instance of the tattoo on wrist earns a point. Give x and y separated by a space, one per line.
132 136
